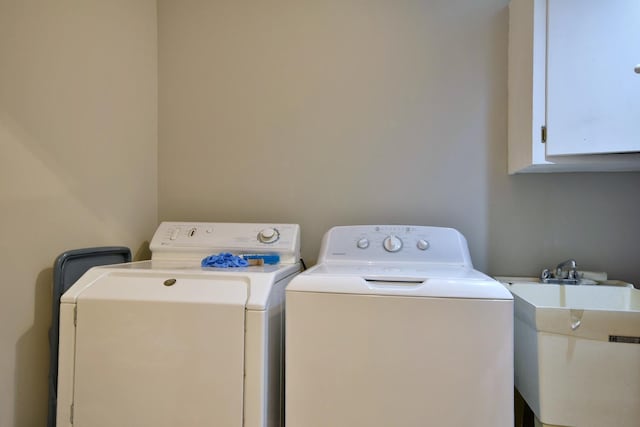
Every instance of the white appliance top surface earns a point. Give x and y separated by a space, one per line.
177 251
399 271
194 267
258 280
397 260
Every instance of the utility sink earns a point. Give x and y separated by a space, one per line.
577 352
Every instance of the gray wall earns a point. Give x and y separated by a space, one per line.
78 162
346 112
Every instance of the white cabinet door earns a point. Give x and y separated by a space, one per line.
593 91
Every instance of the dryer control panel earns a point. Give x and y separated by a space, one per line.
395 243
186 240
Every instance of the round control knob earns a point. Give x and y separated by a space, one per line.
392 244
268 235
422 244
363 243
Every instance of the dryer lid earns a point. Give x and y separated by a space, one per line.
149 286
144 280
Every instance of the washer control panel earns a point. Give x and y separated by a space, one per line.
180 240
395 243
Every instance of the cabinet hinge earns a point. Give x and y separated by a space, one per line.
543 134
75 315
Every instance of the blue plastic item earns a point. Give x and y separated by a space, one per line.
224 260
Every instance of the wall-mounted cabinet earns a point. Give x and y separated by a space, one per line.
574 85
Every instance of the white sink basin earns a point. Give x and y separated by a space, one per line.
577 352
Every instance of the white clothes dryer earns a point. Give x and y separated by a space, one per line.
394 327
168 343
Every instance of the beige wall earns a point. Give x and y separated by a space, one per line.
343 112
315 112
78 162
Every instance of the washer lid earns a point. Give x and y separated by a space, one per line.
441 282
398 271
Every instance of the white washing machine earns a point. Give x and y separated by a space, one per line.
168 343
394 327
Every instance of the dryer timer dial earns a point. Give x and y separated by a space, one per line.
268 235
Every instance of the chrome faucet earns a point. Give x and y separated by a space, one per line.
565 273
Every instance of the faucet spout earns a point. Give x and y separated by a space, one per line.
567 270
